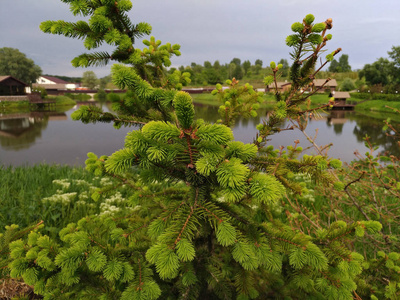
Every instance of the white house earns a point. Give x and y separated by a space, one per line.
51 82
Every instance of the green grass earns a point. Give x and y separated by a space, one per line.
319 99
58 195
78 97
378 106
64 100
206 99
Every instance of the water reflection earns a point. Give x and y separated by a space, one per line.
373 128
20 131
345 129
53 137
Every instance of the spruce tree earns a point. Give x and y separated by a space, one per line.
206 209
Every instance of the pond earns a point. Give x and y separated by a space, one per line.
53 137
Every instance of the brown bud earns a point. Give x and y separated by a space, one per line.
328 23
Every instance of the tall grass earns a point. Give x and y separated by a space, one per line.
58 195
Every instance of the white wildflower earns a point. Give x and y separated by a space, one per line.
64 183
83 196
105 181
60 198
80 182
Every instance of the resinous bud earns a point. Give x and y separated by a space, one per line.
272 65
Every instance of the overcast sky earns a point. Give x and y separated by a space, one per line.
211 29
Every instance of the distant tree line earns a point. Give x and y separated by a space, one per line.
381 76
211 74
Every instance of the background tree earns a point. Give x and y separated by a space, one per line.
259 62
344 63
231 69
217 65
238 72
16 64
212 76
236 61
285 67
89 79
207 65
258 66
334 66
246 66
377 72
340 66
395 56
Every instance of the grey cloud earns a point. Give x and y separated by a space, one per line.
210 29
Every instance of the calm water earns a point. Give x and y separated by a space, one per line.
50 137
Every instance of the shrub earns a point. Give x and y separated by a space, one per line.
78 96
347 85
64 100
41 90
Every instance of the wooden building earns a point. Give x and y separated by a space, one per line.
340 97
282 86
10 86
330 86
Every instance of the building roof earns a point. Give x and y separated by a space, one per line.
280 84
320 82
341 95
55 79
4 78
50 86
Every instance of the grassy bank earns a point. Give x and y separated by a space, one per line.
62 100
378 106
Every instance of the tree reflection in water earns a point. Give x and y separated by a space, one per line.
336 119
373 128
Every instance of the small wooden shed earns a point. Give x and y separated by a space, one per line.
340 97
11 86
